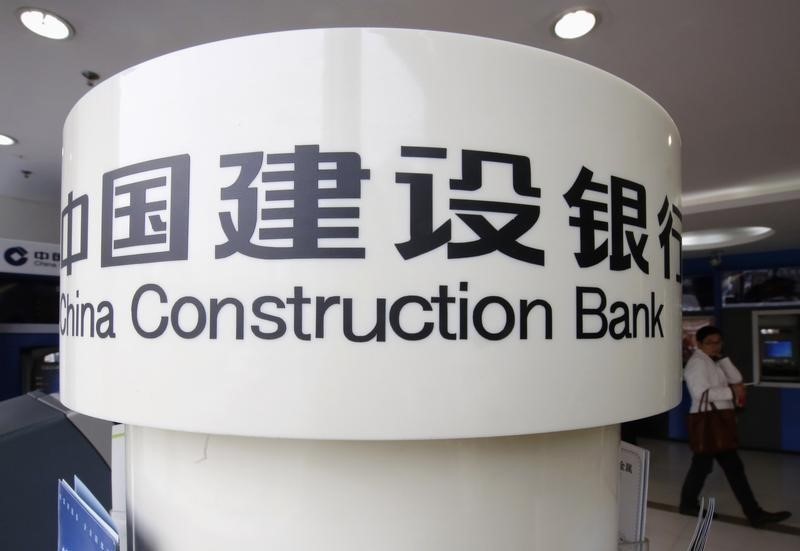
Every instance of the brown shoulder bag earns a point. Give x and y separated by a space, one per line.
712 430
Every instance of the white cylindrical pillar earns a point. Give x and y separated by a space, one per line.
367 262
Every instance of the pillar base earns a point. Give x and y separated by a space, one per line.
190 491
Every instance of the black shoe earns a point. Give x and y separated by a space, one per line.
763 517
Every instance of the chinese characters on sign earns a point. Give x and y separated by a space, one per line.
307 187
423 238
308 208
145 216
72 252
591 253
668 233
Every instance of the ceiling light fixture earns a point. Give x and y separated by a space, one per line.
575 24
709 240
7 140
781 188
45 23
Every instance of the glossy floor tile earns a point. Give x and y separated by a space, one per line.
671 532
774 477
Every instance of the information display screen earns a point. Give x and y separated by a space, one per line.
778 349
777 335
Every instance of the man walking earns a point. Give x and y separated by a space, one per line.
707 370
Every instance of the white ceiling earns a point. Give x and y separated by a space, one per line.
728 71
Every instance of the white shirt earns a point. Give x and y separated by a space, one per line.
702 373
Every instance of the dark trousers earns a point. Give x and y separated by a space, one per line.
734 471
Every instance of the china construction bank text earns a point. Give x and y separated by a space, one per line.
446 314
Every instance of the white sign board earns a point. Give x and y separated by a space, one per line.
29 257
634 474
370 234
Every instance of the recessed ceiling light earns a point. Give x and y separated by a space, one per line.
575 24
7 140
45 23
707 240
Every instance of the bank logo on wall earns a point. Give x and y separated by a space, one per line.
29 257
310 209
16 256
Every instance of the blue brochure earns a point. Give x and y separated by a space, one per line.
83 523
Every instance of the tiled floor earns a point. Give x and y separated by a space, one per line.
775 479
671 532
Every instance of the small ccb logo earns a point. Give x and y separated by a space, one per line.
16 256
